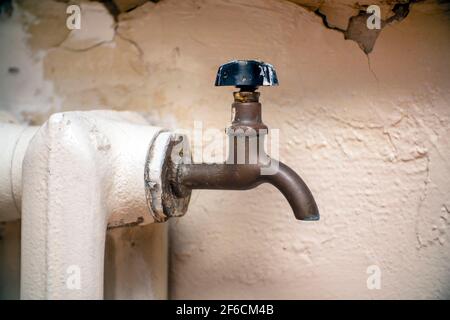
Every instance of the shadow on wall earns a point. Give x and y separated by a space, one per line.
9 260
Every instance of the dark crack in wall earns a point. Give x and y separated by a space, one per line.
357 27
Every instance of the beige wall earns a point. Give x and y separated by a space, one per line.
369 134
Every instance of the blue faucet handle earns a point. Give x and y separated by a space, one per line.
246 74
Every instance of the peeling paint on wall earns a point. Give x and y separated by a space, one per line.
24 90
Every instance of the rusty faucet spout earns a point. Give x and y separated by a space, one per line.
248 176
296 192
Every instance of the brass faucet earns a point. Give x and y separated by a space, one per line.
248 165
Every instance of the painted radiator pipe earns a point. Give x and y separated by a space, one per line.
83 172
14 140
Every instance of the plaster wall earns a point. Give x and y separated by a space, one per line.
368 133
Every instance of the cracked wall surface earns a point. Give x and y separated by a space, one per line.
368 133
